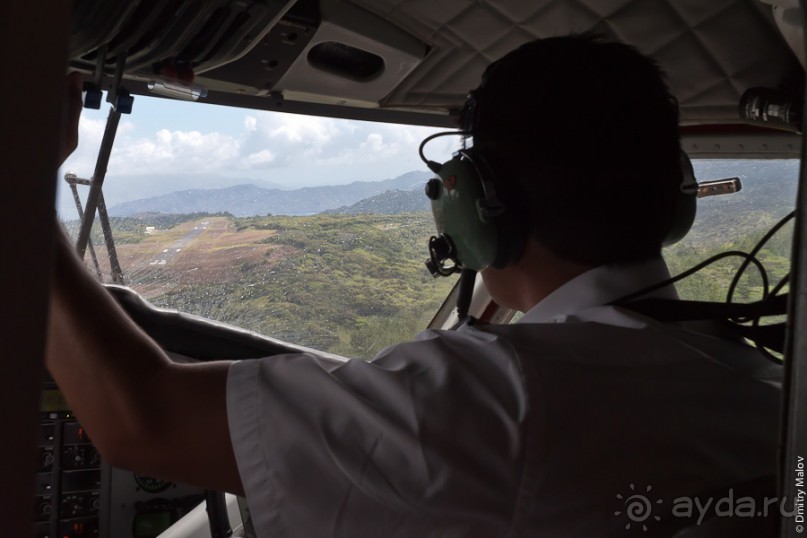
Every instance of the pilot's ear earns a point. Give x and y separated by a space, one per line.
70 115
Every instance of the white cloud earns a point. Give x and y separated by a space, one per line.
261 159
373 142
301 129
304 141
174 152
314 150
126 127
82 161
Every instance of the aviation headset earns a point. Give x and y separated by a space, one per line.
476 230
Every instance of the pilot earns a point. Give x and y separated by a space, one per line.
563 424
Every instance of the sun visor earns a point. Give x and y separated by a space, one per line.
168 36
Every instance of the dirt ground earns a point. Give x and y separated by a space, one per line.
205 250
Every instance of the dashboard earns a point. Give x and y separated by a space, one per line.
68 482
79 495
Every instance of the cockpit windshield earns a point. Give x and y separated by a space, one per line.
312 230
737 222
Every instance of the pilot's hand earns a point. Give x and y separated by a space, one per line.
70 116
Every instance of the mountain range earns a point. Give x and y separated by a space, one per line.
767 185
125 188
387 203
246 200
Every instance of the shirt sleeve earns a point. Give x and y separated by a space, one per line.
425 439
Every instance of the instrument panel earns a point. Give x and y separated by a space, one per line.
67 499
79 495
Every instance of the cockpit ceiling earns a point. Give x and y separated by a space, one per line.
711 51
434 52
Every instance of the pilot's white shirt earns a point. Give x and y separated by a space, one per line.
552 426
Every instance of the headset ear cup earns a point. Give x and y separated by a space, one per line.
511 230
685 205
461 214
475 228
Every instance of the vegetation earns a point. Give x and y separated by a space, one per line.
721 232
353 284
348 284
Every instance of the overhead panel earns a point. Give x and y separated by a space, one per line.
164 37
710 51
378 58
355 57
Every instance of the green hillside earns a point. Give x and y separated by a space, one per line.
348 284
353 284
738 222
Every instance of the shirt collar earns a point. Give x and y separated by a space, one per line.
600 286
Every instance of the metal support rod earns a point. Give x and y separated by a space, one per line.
793 447
114 264
467 279
217 516
80 211
793 443
100 60
112 94
97 180
103 154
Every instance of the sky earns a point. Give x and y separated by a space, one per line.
166 137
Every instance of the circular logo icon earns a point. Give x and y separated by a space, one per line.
638 507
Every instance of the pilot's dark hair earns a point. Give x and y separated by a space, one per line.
582 137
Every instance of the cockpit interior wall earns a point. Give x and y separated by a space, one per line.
29 133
